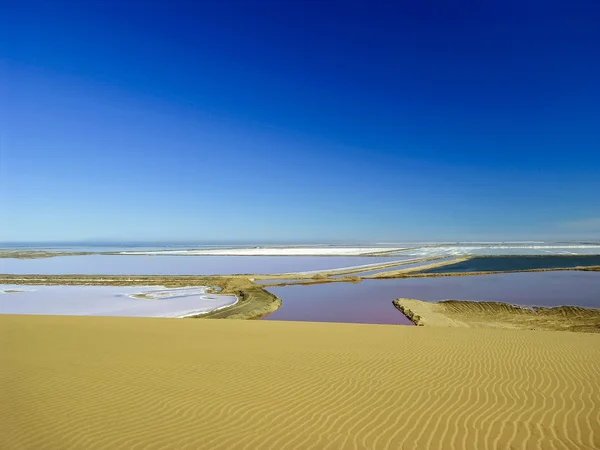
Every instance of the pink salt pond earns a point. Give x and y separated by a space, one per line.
371 300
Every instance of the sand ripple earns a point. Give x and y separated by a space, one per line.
122 383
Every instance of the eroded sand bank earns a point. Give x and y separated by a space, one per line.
123 383
470 314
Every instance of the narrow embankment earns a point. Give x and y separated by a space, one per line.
254 302
410 270
37 254
341 271
355 273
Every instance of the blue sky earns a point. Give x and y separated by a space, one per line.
302 121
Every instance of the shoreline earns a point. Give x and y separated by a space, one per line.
253 300
199 314
207 291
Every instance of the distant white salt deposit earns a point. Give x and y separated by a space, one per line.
504 249
274 251
422 250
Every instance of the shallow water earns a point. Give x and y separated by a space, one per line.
180 265
337 302
527 289
371 300
505 263
109 301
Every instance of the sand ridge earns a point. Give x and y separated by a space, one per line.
135 383
486 314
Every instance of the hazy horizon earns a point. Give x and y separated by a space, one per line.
265 242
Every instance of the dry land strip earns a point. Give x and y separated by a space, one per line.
36 254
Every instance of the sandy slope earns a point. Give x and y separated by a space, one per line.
460 313
127 383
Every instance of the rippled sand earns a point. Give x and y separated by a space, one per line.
456 313
123 383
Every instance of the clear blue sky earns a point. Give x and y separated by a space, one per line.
299 120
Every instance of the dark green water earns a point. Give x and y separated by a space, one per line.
508 263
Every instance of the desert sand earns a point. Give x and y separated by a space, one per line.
473 314
137 383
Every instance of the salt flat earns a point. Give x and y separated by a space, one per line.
505 249
125 383
132 301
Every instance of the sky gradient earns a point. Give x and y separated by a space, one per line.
292 120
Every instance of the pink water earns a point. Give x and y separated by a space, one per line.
371 300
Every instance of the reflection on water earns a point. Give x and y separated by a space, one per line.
337 302
370 300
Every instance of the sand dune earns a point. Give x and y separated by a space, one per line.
134 383
472 314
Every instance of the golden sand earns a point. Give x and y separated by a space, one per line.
125 383
460 313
